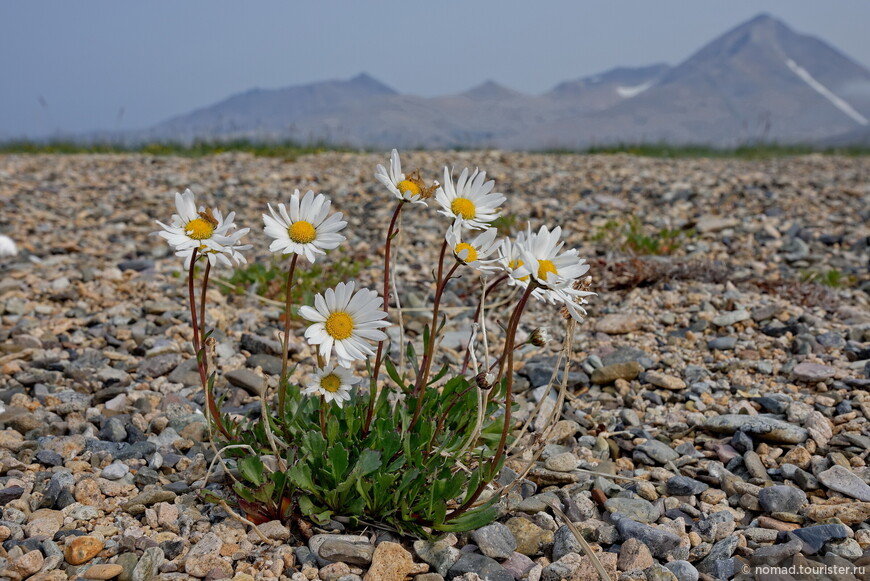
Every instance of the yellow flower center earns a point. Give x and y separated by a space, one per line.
330 383
302 232
545 267
409 186
199 229
515 264
339 325
463 207
471 250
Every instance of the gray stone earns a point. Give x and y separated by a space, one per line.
816 536
247 380
721 551
495 541
485 568
845 482
439 555
113 430
147 567
722 343
159 365
715 527
684 486
564 462
346 552
658 451
812 372
782 498
565 542
634 508
270 364
764 427
776 554
660 542
517 565
731 318
683 570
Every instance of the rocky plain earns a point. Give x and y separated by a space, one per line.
717 418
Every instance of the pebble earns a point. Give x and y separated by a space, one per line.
102 571
82 549
634 555
495 541
846 482
685 486
782 499
391 562
618 324
610 373
812 372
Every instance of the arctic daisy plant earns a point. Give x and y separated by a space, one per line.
306 229
419 447
345 322
470 202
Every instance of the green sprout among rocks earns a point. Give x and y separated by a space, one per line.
361 439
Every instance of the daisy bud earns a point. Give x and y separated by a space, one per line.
484 380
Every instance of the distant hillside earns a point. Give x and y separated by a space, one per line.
760 81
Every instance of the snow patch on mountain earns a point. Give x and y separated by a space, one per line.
838 102
629 92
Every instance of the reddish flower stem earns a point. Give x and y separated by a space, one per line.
200 351
373 385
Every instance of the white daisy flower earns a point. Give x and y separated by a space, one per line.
541 259
470 202
409 189
537 255
205 230
474 252
333 383
306 229
346 322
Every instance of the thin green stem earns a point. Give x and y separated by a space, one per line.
323 416
373 385
285 343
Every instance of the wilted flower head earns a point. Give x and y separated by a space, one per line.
469 202
205 230
333 383
307 229
540 337
407 188
346 322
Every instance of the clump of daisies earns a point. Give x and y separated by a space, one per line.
349 433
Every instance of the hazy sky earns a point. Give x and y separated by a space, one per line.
88 65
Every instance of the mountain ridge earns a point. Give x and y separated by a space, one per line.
758 81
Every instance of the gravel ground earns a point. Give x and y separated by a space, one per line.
717 419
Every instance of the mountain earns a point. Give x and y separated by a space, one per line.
760 81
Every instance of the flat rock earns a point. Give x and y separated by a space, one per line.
619 324
764 427
664 380
812 372
845 482
495 541
782 498
660 542
851 513
610 373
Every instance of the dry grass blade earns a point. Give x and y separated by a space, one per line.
586 548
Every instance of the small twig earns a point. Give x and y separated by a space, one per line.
240 518
602 573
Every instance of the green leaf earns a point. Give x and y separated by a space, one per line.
300 475
251 468
369 461
338 461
